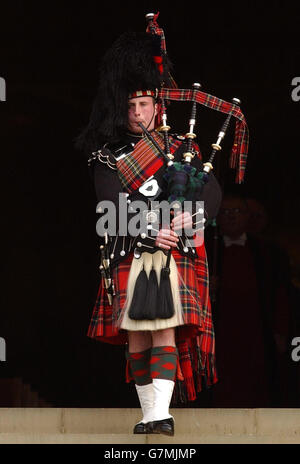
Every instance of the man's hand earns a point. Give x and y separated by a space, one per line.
166 238
183 221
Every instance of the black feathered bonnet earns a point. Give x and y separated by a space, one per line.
136 63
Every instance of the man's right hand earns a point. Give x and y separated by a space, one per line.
166 238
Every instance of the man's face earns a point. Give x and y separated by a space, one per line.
141 109
233 217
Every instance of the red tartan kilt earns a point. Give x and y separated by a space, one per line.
194 298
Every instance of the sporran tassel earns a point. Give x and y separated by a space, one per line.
144 300
138 298
165 306
151 296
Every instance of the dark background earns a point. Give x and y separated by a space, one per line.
50 54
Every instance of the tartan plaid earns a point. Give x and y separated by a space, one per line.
143 162
241 141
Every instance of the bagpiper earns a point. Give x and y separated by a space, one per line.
163 318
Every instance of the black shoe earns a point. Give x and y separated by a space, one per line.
143 428
140 428
165 426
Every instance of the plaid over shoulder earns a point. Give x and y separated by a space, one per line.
144 161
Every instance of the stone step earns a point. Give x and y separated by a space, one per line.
109 425
123 439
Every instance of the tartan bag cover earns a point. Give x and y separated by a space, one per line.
195 339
